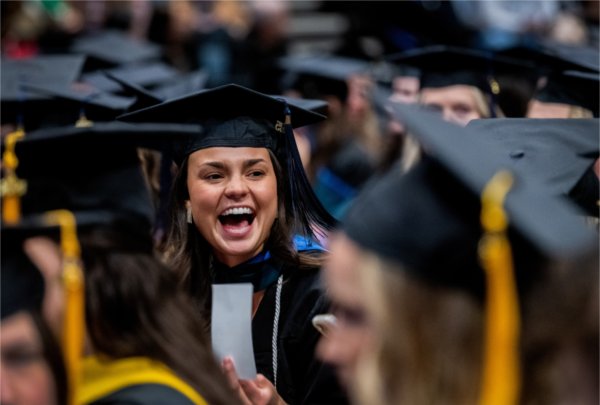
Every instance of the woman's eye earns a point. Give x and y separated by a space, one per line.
256 173
213 176
462 109
20 359
353 317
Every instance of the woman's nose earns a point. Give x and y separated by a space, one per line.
236 187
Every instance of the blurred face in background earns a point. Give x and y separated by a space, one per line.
405 89
26 375
344 343
459 103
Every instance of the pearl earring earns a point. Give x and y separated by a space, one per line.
189 216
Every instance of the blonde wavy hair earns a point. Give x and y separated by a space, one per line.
428 339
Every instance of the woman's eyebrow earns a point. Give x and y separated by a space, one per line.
215 164
251 162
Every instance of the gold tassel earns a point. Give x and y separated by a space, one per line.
74 317
11 187
501 377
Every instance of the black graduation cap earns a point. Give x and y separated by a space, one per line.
24 105
57 69
182 85
92 171
429 218
554 57
21 282
573 88
112 48
143 98
315 105
68 103
560 152
317 76
443 66
144 74
235 116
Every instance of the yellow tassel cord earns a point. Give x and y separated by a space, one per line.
74 316
11 187
501 377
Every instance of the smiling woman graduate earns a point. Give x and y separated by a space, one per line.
243 211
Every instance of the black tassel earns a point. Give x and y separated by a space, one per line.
309 216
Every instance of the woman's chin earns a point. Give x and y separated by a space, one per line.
236 252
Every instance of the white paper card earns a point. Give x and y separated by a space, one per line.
231 329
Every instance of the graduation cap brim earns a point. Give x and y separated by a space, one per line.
315 105
114 134
317 76
187 83
144 98
552 57
115 48
327 66
61 70
550 224
223 103
71 99
443 65
572 88
142 74
558 151
94 171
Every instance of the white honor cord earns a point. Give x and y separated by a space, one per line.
276 328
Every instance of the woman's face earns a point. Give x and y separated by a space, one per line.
344 343
26 376
233 198
456 103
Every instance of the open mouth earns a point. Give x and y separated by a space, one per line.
237 216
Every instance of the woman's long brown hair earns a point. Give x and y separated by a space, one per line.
134 307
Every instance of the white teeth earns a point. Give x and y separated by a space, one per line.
237 211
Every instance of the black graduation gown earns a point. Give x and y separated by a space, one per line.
301 378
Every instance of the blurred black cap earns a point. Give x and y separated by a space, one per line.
443 66
23 105
143 98
550 57
573 88
67 103
112 48
560 152
56 69
148 75
94 171
429 218
314 105
318 76
179 86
